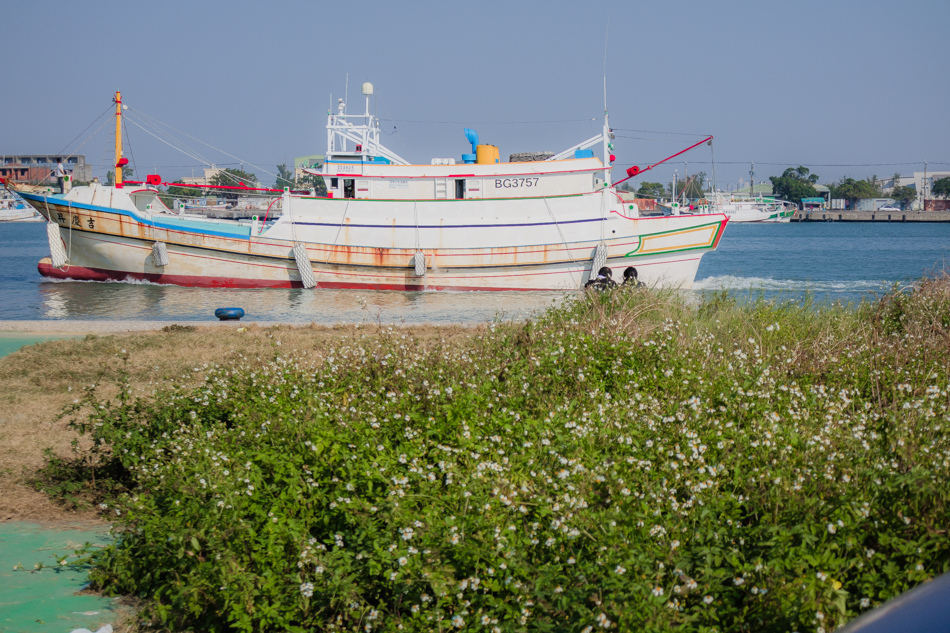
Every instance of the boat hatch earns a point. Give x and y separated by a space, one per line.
148 201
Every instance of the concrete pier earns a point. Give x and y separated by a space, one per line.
871 216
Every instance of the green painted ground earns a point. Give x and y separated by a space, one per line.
12 341
45 600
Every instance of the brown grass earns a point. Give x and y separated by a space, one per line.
37 382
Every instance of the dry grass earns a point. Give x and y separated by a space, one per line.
37 382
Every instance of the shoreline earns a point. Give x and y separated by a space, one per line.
79 327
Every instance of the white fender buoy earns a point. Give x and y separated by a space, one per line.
160 254
304 266
419 261
57 251
600 259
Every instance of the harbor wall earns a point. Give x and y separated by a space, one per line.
870 216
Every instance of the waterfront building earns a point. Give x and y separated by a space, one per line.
38 168
922 181
314 161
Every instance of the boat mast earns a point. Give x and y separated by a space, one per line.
118 139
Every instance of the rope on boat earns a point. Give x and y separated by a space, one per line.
299 251
56 249
160 254
561 233
304 266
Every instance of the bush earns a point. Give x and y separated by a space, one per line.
622 462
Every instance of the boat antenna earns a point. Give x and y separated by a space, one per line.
606 36
607 144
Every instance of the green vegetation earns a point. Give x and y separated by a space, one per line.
285 178
625 461
651 190
941 187
795 184
905 195
851 189
128 173
232 178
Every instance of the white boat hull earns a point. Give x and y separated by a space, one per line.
548 244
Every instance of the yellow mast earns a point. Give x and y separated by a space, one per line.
118 138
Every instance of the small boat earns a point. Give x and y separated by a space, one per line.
473 224
13 209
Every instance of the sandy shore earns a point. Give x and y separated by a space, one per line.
41 328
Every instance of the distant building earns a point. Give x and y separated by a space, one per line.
314 161
923 182
38 168
209 173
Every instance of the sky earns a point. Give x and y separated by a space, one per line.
846 88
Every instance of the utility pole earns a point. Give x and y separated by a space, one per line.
923 187
752 180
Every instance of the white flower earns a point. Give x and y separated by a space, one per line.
403 560
708 599
831 528
657 591
865 603
307 589
738 581
821 576
458 622
620 569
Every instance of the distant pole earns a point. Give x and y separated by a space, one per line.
923 186
752 180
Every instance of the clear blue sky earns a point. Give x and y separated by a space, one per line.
847 88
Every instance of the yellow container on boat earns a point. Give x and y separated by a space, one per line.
486 155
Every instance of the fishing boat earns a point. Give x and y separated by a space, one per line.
384 223
749 209
13 209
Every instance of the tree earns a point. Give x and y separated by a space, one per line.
905 195
941 188
232 178
693 186
312 181
794 184
852 190
128 173
285 178
173 193
651 190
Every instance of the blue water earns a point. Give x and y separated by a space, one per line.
830 260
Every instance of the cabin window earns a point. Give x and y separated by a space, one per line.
349 188
334 183
459 189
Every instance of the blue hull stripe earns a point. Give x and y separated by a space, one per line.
193 226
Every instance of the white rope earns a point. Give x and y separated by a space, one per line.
561 233
155 122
